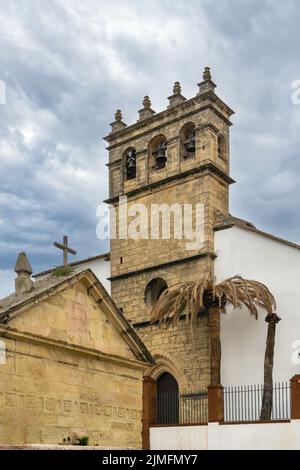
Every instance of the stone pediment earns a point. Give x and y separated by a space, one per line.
76 310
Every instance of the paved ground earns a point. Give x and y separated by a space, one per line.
55 447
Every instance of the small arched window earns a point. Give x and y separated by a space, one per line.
153 291
188 141
158 152
221 146
130 164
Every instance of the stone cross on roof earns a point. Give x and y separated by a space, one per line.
65 249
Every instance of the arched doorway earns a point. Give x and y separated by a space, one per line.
167 399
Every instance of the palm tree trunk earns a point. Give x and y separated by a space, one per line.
267 401
215 345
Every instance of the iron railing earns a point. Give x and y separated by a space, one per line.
243 403
186 408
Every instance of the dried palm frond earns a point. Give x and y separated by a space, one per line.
187 298
184 298
247 293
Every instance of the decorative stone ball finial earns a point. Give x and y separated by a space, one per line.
118 115
146 102
177 88
207 74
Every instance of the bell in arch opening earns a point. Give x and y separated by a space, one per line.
131 164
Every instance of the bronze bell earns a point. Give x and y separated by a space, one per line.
190 143
131 160
160 156
131 164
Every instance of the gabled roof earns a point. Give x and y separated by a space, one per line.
223 222
15 304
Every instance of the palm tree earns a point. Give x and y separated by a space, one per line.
267 401
188 298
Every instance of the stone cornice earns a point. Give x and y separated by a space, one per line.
207 167
146 323
208 125
12 333
114 163
119 160
167 264
168 112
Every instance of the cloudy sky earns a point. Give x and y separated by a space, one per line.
69 64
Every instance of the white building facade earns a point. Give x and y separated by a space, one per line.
255 255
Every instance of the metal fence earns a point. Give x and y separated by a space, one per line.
185 408
243 403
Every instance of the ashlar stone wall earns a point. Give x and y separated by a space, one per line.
69 372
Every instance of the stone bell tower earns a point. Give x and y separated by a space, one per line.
177 156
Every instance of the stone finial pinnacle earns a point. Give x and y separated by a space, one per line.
177 97
23 269
146 110
207 74
177 88
22 264
207 85
146 102
118 115
118 124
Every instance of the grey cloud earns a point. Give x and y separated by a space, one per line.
69 65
